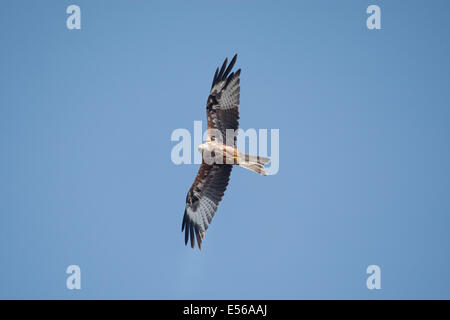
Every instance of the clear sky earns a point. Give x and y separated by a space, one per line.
86 176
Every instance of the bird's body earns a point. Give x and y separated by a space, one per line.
219 154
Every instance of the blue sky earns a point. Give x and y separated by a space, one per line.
86 177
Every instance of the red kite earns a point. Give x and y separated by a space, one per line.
219 154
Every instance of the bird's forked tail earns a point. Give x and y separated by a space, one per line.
253 163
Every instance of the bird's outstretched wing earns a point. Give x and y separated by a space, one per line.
202 200
222 107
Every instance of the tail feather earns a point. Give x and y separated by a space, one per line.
253 163
258 159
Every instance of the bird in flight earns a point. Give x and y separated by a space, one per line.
219 154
